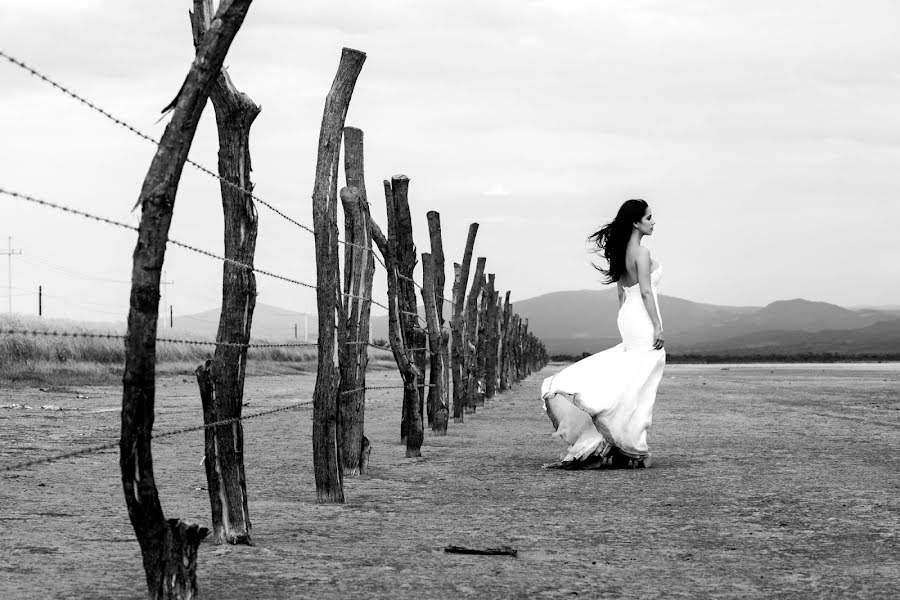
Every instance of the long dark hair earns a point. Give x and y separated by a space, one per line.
612 238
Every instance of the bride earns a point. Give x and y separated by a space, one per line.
602 405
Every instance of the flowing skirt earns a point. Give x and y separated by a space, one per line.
607 399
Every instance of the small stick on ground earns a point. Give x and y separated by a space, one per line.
501 551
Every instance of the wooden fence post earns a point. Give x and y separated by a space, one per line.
436 406
222 380
493 349
168 547
482 343
515 349
359 269
404 333
504 345
525 347
458 327
437 253
403 255
471 343
352 407
326 459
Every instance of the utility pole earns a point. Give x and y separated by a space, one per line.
40 301
171 317
10 252
164 284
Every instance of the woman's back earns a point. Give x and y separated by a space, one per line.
635 324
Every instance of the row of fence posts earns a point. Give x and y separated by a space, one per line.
492 347
487 348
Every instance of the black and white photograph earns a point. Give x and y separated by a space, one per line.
425 300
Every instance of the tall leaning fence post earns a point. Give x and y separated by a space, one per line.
221 380
168 547
458 327
326 452
403 255
437 254
471 342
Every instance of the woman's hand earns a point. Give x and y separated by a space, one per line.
658 341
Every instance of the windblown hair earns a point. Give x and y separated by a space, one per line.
612 238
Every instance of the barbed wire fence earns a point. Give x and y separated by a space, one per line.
412 342
89 335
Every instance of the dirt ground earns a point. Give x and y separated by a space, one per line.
767 482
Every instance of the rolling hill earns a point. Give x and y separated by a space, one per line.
269 322
782 327
573 322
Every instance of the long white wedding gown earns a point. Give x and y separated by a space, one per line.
605 401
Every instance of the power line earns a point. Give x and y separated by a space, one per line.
42 263
9 253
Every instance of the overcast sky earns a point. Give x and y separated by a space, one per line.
764 134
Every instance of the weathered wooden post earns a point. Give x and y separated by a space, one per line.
437 253
326 459
458 327
436 407
471 344
482 343
523 358
491 367
525 348
359 269
504 345
168 547
221 381
403 252
515 348
356 461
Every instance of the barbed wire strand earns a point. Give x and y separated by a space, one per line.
174 242
79 98
187 342
67 91
182 430
164 434
118 336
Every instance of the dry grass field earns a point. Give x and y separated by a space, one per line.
60 361
768 482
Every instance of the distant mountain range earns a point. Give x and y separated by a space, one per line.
585 321
269 322
575 322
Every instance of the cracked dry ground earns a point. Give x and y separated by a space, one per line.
767 482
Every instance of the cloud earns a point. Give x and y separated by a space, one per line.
553 111
496 190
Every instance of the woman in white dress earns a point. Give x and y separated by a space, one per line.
602 406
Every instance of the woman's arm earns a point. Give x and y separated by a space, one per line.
621 291
643 269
